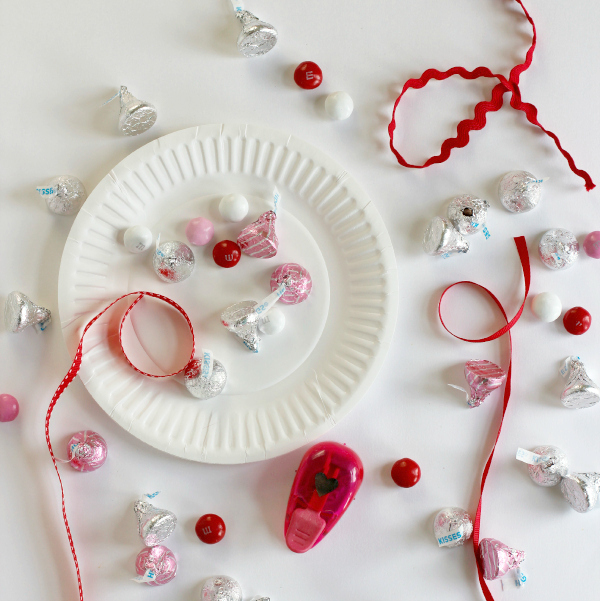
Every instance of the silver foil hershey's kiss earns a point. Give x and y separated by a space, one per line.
551 471
20 313
581 490
205 385
69 194
468 213
173 261
221 588
136 116
558 249
519 191
441 238
154 524
452 526
256 37
242 320
580 392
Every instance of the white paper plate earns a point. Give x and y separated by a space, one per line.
303 380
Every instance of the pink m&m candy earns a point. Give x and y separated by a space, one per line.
591 245
9 408
199 231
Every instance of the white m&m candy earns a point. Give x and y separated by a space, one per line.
546 306
137 239
339 105
272 322
233 207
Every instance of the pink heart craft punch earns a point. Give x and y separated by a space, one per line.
326 482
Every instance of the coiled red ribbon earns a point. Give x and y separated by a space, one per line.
75 366
481 109
524 257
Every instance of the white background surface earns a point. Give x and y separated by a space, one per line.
62 60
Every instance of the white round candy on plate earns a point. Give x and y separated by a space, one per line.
137 239
272 322
546 306
233 207
339 105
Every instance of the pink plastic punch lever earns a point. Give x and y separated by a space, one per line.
327 480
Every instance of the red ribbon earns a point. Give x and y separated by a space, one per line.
481 109
75 366
524 256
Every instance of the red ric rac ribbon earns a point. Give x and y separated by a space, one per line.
478 122
524 256
75 366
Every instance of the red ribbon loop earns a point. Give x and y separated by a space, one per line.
75 366
524 257
481 109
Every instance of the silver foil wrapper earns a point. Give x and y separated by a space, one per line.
441 238
468 213
203 387
580 392
173 261
581 490
256 37
154 524
20 313
136 116
452 526
519 191
69 197
558 248
242 320
551 471
221 588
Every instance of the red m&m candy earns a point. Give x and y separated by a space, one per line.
406 472
577 321
227 253
308 75
210 529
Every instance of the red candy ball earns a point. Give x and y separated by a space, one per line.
227 253
406 472
308 75
210 529
577 321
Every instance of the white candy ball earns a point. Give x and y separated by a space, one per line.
137 239
339 105
546 306
233 207
272 322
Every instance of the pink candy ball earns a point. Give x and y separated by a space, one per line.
160 560
199 231
87 451
9 408
591 245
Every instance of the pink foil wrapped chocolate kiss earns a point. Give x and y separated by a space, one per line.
297 280
259 238
483 377
87 451
159 562
496 559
